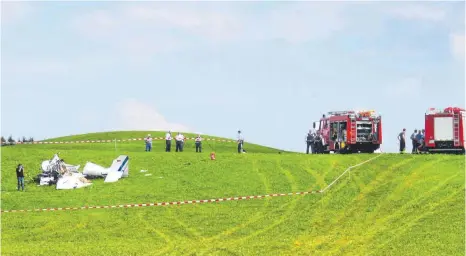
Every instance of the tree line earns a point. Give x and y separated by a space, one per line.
11 141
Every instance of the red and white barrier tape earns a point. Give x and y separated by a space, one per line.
109 141
197 201
162 203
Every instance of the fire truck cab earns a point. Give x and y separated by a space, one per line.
445 130
349 132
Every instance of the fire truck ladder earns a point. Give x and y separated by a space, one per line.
353 131
456 130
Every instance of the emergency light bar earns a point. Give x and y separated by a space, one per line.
431 111
368 113
353 114
340 113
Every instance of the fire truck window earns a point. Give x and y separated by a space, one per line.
343 126
334 131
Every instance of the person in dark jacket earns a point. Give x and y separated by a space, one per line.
20 176
318 146
310 142
240 141
402 140
421 141
414 141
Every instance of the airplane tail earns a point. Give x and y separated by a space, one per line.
118 169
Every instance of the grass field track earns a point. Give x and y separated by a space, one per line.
408 223
393 205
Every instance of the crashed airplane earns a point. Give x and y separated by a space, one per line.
118 169
66 176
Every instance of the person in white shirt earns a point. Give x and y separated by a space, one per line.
240 142
148 140
168 141
198 143
179 142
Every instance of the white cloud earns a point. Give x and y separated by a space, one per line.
135 115
35 67
88 117
160 17
214 25
295 22
303 22
458 44
128 25
141 49
142 30
96 24
14 11
409 87
419 12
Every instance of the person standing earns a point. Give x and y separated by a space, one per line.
318 147
310 142
402 140
198 142
20 176
168 141
413 140
179 142
420 140
148 140
240 141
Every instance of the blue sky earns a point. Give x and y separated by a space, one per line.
267 68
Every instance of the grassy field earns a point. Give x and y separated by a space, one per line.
394 205
210 144
125 135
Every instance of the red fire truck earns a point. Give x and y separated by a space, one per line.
349 132
445 130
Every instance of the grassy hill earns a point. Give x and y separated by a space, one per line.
394 205
125 142
122 135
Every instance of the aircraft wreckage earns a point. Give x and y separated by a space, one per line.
67 176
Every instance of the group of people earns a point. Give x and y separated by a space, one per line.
314 142
417 139
180 139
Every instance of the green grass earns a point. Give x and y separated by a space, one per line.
124 135
394 205
229 145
